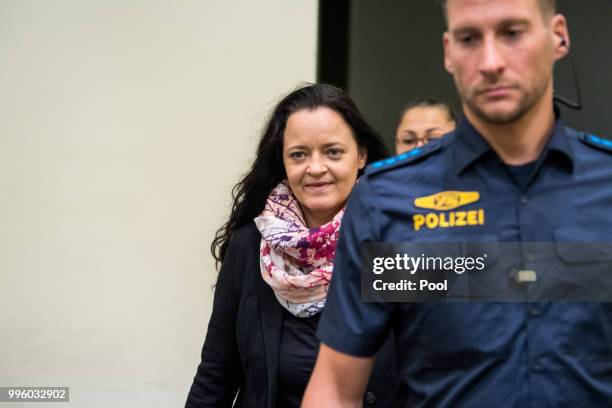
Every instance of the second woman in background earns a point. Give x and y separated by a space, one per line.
277 252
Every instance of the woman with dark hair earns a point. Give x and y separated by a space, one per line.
276 253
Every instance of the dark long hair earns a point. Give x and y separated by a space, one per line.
250 194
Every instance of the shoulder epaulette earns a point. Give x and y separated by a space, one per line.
402 159
597 142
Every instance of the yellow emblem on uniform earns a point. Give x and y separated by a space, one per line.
447 200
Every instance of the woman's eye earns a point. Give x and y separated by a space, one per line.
334 152
297 155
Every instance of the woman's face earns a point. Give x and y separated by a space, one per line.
321 158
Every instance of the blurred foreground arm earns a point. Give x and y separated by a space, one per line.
338 380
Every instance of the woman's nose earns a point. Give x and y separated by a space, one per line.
316 167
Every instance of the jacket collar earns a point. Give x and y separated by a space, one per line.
470 146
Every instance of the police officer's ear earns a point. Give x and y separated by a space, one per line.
447 63
561 36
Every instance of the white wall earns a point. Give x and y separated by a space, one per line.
123 126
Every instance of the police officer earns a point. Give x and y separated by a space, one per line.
530 179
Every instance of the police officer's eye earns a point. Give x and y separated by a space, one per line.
466 39
512 34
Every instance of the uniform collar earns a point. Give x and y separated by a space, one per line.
470 146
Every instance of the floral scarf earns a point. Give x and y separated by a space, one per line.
296 261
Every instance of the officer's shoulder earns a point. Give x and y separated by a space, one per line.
415 157
592 141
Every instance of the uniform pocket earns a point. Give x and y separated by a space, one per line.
461 333
586 267
458 334
587 264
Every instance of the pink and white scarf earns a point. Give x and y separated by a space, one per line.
296 261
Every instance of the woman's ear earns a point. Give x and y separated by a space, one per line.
362 157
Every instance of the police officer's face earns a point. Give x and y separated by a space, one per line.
501 53
321 158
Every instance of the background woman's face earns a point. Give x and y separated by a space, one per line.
321 158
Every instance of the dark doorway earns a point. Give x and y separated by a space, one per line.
387 52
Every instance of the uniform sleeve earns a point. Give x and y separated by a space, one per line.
347 324
219 374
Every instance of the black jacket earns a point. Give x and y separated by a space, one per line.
240 353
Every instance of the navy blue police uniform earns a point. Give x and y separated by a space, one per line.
482 354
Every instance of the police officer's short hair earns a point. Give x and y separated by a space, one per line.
548 7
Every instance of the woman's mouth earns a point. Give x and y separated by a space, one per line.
318 185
